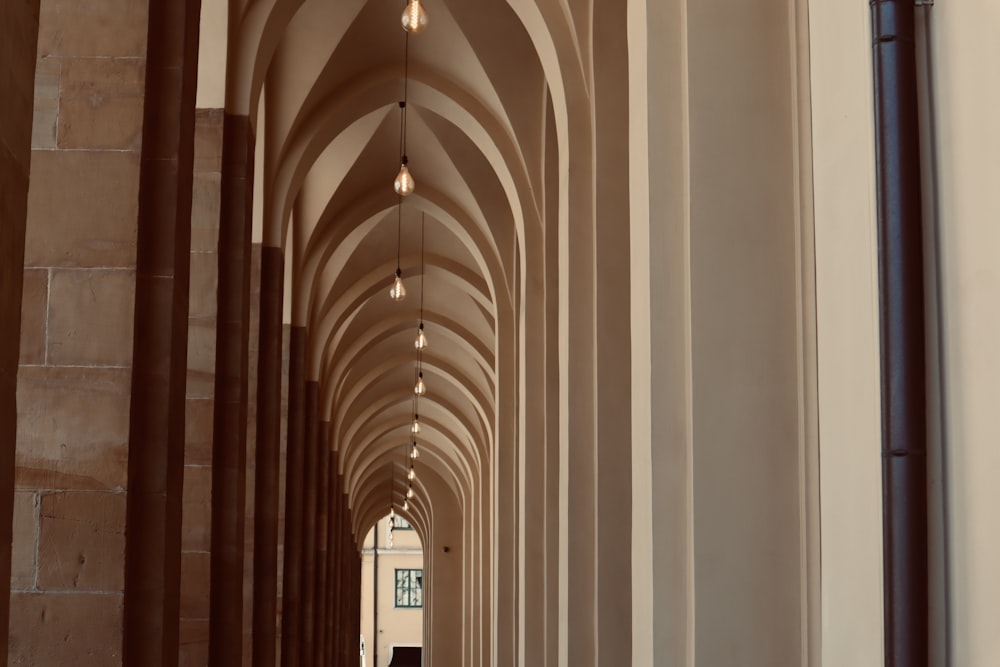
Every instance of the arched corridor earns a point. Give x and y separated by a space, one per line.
643 247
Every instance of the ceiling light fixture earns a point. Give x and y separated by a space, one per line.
421 341
414 17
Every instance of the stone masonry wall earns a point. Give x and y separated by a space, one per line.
76 340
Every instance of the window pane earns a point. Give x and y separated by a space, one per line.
409 588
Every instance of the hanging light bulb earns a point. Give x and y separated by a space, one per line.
398 291
414 17
421 341
409 492
415 426
404 183
420 388
406 505
414 452
412 475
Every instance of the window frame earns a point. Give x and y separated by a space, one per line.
414 588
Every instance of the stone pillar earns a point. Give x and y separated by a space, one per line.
231 392
19 29
156 428
333 564
308 520
199 407
323 466
291 612
268 459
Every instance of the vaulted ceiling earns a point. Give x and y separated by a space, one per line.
322 81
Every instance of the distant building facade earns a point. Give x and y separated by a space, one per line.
392 593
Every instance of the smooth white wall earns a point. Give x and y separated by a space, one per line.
966 93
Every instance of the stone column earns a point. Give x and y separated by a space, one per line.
333 563
323 466
199 408
231 392
308 520
156 429
268 459
291 611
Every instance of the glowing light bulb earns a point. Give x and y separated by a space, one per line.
392 515
421 341
414 452
414 17
412 475
409 492
406 505
398 291
404 183
415 426
420 388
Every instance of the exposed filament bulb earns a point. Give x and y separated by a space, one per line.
421 341
398 291
414 17
404 183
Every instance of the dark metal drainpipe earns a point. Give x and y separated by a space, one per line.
901 306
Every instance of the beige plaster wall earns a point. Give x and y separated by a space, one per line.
847 333
744 326
966 106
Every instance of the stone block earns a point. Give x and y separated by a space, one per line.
197 514
47 630
201 359
91 317
204 285
193 643
81 543
48 78
83 209
25 543
72 430
34 315
107 28
195 578
205 208
208 140
101 103
199 416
